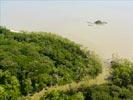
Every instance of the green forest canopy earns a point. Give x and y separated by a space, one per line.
119 87
31 61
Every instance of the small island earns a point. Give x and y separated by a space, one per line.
99 22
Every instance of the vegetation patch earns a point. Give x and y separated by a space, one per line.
31 62
119 87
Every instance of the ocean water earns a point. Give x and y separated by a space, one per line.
69 18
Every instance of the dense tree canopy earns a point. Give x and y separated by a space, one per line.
119 87
31 61
122 74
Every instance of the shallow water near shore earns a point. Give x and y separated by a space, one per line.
69 19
